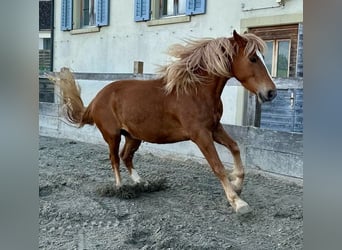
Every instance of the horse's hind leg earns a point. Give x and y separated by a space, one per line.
127 153
238 174
112 136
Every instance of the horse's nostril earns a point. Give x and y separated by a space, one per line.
271 94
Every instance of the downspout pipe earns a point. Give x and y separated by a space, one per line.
52 29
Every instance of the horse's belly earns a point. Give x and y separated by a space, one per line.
153 134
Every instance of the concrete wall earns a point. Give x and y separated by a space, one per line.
275 151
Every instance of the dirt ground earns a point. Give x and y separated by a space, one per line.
185 209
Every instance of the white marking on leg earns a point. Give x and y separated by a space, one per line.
237 184
118 183
135 176
236 181
117 179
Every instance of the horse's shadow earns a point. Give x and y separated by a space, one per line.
131 191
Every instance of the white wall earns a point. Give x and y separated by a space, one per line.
115 47
269 12
262 8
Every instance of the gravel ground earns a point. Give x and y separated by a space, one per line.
183 206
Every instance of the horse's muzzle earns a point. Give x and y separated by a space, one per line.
269 96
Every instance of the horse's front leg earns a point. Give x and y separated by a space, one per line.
204 141
237 176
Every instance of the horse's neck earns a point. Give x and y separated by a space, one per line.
217 86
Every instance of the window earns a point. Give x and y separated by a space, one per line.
172 7
277 57
88 13
145 10
284 49
46 43
78 14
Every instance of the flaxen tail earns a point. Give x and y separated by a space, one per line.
74 110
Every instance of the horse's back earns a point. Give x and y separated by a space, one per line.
132 89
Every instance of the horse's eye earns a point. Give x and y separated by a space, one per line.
253 59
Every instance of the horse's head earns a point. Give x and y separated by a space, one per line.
248 66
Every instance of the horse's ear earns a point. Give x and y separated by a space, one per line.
239 39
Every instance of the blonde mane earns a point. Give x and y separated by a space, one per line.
198 61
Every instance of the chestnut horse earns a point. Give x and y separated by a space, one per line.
183 103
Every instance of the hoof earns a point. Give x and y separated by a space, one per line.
242 208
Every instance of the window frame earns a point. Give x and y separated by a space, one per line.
72 16
91 6
175 9
279 32
46 43
149 11
275 53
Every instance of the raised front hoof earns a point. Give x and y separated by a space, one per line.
243 208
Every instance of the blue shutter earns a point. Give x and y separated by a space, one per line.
142 10
102 13
66 15
195 7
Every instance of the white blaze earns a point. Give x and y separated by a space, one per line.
263 61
